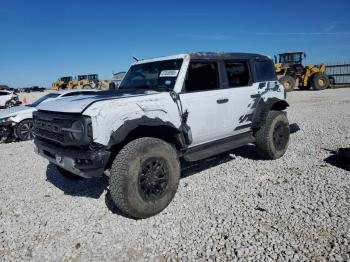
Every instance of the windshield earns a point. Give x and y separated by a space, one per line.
158 75
296 58
66 79
92 77
82 77
42 99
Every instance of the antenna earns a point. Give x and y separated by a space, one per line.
136 59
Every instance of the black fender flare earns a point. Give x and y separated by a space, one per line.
263 109
167 129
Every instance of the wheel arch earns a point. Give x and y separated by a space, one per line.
263 109
146 127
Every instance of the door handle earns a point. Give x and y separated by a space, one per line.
222 101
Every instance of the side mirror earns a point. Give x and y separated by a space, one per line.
304 55
275 59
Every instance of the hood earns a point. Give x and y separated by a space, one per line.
77 104
15 111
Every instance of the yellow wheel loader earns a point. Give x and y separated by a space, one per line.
62 83
73 84
88 81
292 73
92 82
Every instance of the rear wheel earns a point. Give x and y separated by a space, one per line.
320 81
144 177
288 83
24 130
272 138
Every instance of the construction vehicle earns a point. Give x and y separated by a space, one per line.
72 84
92 82
292 73
82 82
62 82
88 81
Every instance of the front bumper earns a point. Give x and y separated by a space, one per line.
84 163
6 131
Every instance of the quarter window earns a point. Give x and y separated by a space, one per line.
202 77
237 73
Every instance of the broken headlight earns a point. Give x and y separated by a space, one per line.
77 130
6 119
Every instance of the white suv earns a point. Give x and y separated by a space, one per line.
189 106
8 99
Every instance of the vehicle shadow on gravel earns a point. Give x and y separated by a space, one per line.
338 161
247 151
92 188
192 168
80 187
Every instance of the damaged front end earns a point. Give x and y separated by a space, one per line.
66 141
6 131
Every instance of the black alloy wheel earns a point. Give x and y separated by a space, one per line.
153 178
24 130
280 135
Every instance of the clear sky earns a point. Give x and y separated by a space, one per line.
43 40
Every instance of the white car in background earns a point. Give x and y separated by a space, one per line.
17 122
8 99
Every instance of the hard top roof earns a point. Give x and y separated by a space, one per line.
205 56
291 52
225 55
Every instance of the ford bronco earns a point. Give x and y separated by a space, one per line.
188 106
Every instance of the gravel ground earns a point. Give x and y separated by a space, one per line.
231 207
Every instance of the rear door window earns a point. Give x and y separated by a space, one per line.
265 70
237 73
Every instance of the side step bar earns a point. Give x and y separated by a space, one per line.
217 147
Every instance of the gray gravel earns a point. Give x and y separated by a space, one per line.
232 207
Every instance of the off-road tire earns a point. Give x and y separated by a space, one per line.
67 174
127 175
24 130
288 83
319 81
87 87
272 138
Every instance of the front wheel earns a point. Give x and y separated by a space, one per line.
272 138
144 177
288 83
24 130
9 104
